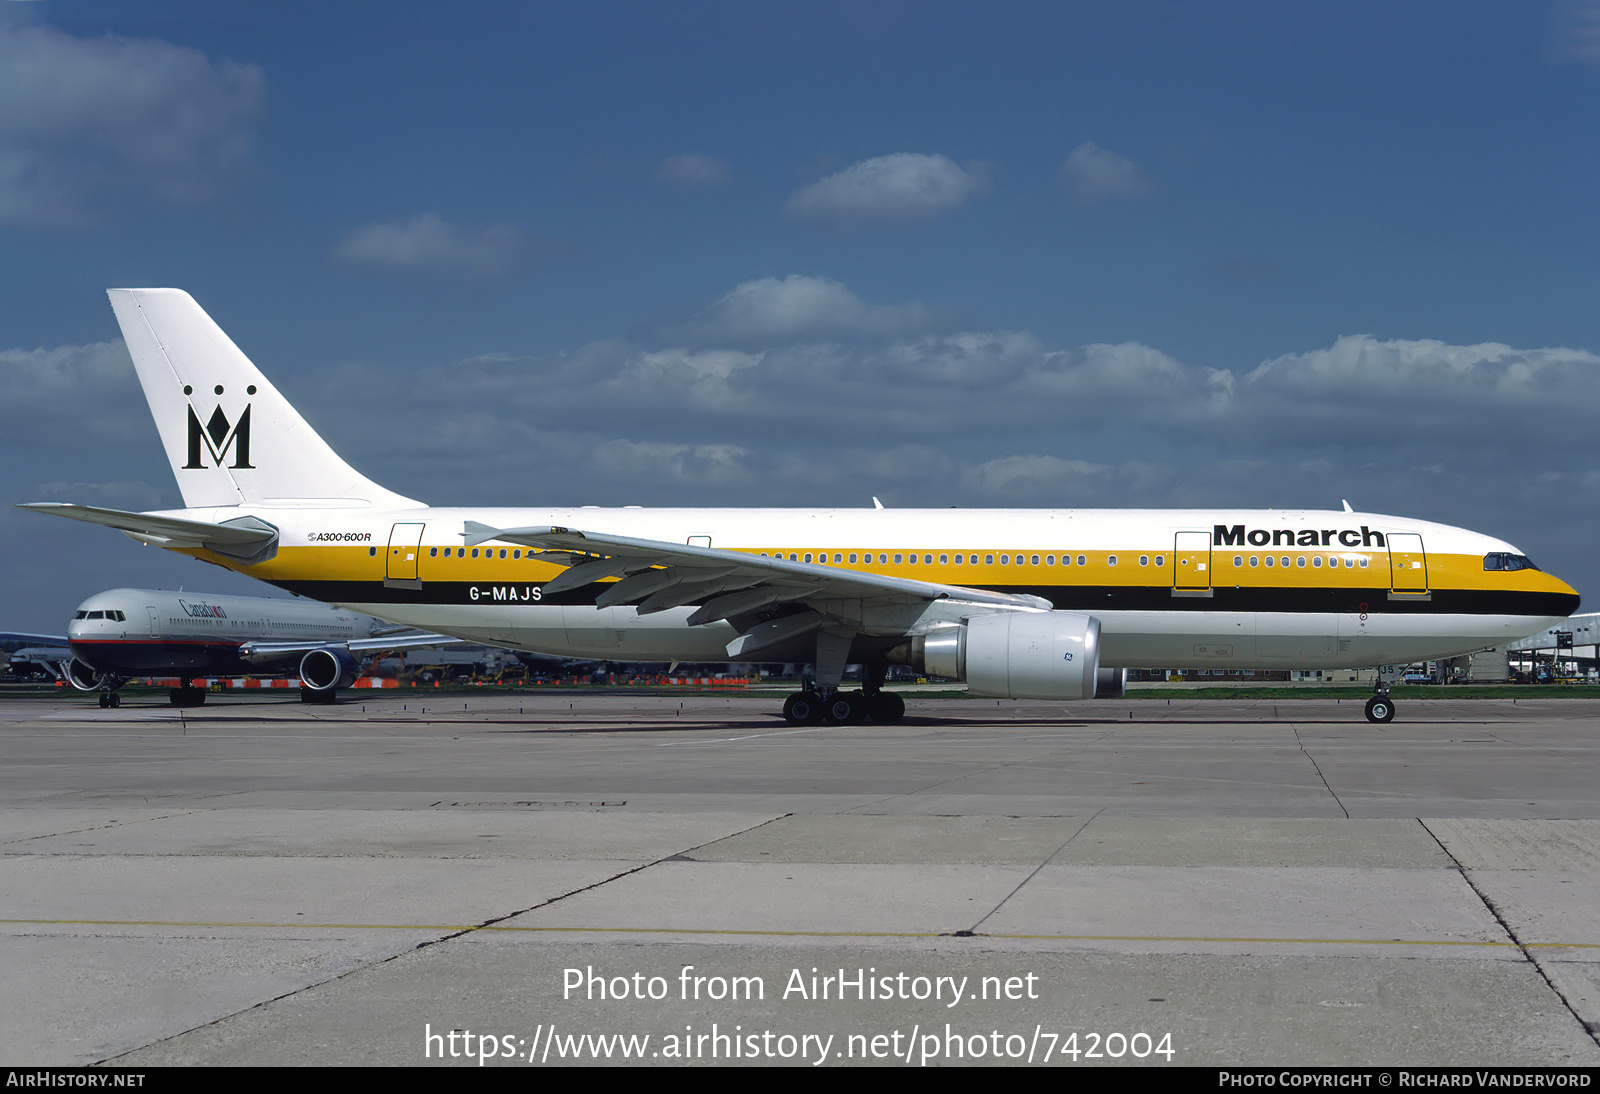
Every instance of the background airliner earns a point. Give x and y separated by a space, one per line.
1051 604
122 633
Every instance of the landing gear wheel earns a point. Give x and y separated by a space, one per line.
886 708
1380 709
105 700
116 700
803 708
846 707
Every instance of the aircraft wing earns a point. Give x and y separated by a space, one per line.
656 575
248 538
412 641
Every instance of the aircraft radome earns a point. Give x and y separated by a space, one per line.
122 633
1019 603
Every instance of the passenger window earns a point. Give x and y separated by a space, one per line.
1161 560
958 559
1111 560
946 558
1083 560
433 552
897 559
1144 560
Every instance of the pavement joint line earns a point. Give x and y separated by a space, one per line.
453 932
1034 872
499 926
1525 948
96 828
1318 769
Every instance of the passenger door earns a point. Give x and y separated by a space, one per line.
1408 564
1191 574
400 568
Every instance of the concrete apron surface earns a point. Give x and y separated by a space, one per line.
610 878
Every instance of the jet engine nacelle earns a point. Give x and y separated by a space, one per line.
328 669
83 677
1019 655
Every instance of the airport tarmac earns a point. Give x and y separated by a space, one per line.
1139 882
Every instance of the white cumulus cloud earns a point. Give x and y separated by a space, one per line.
1093 174
776 310
898 188
429 244
86 122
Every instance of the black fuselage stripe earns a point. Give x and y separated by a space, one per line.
1079 598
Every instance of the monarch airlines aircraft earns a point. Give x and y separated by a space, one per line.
1019 603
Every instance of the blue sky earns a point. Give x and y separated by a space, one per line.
1116 254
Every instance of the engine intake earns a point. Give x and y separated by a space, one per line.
84 678
328 669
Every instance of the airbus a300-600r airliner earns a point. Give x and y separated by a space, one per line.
1018 603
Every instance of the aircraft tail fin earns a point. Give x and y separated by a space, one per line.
232 438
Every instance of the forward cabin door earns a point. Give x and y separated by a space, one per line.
1191 576
1408 564
400 567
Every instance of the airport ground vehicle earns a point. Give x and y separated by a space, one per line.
1052 604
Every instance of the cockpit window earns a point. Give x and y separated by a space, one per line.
97 615
1505 560
80 614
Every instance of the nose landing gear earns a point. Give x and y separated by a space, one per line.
1380 708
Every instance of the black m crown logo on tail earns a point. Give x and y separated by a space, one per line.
217 436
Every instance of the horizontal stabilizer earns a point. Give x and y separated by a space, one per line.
249 539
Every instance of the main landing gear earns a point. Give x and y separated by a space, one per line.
1380 708
807 708
189 696
109 699
822 701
